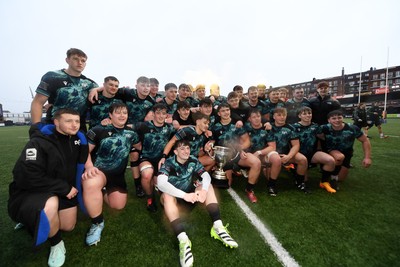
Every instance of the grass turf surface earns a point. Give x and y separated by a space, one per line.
358 226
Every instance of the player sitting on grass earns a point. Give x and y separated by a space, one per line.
178 180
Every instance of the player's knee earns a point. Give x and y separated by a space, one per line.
51 206
69 227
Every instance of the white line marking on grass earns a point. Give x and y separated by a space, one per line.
393 136
269 238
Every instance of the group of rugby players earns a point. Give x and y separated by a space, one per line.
170 141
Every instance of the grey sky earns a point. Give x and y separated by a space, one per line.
224 42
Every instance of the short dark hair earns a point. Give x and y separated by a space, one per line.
280 110
76 51
237 88
223 105
232 95
159 106
154 81
181 142
110 78
272 90
322 84
62 111
254 111
303 109
198 116
183 86
169 86
336 112
116 105
252 88
183 104
205 102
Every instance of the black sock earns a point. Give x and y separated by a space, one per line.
177 226
137 181
249 187
55 239
299 179
97 220
271 183
326 176
213 210
337 170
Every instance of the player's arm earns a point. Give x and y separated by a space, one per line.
166 150
166 187
293 150
90 170
36 107
295 147
366 145
266 150
94 94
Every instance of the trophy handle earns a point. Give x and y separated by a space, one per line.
212 156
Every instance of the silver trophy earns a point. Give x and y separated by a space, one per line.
221 155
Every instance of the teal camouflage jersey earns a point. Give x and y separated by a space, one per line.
99 109
261 106
112 147
292 107
308 138
170 108
197 141
342 140
219 100
272 106
138 107
192 101
153 139
283 136
65 91
259 137
226 135
183 176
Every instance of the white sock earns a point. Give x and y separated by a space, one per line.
218 224
334 177
182 237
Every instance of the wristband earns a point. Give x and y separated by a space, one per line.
164 156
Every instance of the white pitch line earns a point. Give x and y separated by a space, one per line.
269 238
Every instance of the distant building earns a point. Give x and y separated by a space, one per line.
346 88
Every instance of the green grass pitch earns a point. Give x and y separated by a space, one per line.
358 226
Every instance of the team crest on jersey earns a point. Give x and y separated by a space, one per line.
77 142
128 135
31 154
110 133
190 169
65 83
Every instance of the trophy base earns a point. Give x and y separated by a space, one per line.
223 184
